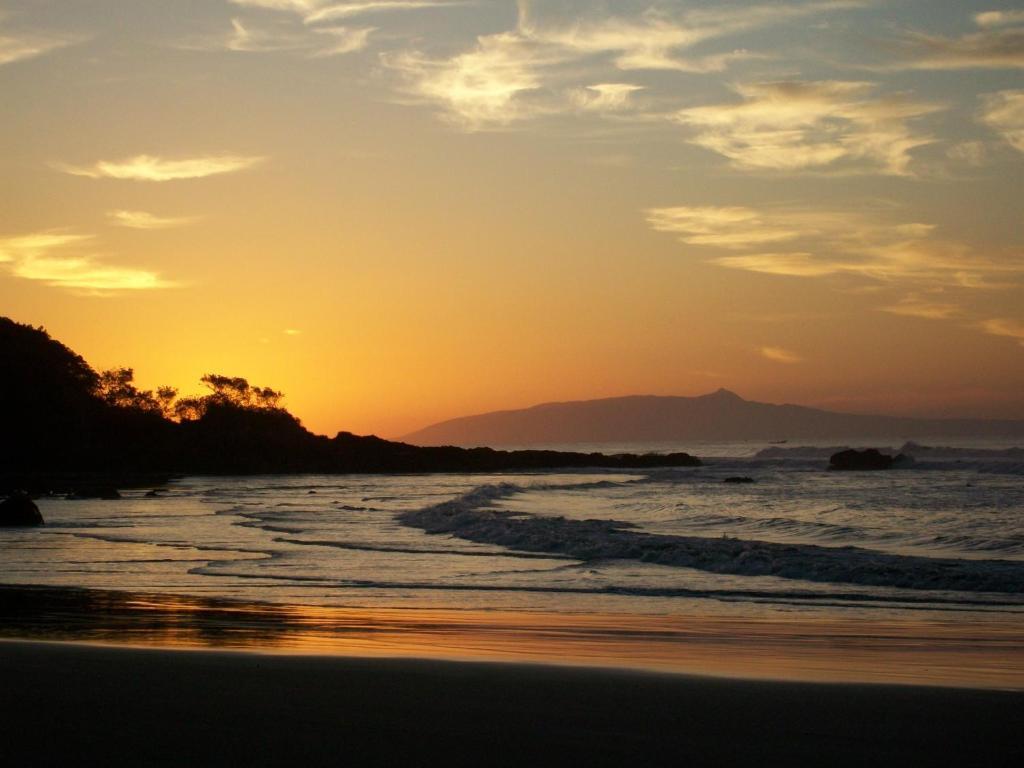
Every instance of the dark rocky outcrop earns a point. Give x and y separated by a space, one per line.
64 433
107 493
852 460
18 509
738 480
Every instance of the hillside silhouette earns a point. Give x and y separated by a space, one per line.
721 416
66 425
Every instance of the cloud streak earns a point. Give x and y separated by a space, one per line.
988 19
1010 329
656 38
20 46
535 68
1003 112
915 306
145 220
780 355
795 126
822 243
479 87
334 11
53 259
158 169
319 11
604 97
998 44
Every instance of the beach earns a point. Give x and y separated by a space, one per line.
125 706
318 620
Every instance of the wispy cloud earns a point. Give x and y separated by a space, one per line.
84 274
535 68
290 37
916 306
1003 112
822 243
283 36
341 40
604 96
971 153
649 41
871 249
153 168
998 44
53 259
780 355
792 125
145 220
13 249
1004 327
791 264
656 38
19 45
723 227
481 86
248 39
319 11
334 11
294 6
998 18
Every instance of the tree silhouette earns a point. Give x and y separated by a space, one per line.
116 387
236 391
226 392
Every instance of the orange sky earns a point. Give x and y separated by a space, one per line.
403 215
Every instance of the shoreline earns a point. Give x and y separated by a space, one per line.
122 706
794 648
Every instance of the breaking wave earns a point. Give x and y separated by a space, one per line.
472 517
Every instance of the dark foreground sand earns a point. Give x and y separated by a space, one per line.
65 704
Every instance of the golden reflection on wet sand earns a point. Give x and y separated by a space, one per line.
928 651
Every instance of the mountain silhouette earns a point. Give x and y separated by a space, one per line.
719 416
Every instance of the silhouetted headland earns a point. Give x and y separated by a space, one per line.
69 429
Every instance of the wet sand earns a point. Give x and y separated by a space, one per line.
945 650
82 704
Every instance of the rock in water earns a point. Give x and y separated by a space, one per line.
104 492
852 460
19 509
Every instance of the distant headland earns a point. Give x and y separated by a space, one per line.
719 416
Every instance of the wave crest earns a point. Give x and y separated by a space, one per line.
471 517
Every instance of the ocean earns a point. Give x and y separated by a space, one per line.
940 541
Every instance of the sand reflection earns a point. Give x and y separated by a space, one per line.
928 652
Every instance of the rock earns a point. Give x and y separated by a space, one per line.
152 494
19 509
853 460
98 492
738 480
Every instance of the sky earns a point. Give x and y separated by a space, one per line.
401 211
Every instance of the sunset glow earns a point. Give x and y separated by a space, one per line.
403 212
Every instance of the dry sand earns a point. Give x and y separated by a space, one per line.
69 704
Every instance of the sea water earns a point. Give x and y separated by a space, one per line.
944 536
